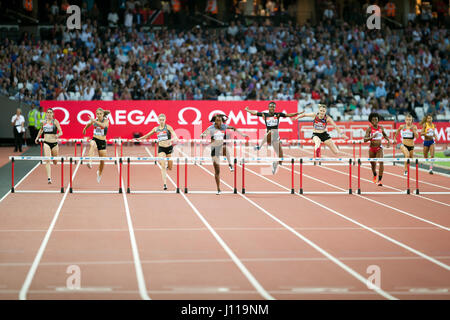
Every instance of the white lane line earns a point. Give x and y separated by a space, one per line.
37 259
20 181
312 244
403 177
134 248
417 252
281 259
372 200
222 243
220 228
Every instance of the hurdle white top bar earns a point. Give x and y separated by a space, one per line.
267 159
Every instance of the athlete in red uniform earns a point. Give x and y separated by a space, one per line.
320 134
375 134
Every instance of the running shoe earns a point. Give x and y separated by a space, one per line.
405 173
256 148
49 181
380 184
431 171
99 177
374 179
274 167
218 192
231 167
165 187
89 165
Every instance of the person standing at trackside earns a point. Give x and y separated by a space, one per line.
41 116
18 123
272 120
32 123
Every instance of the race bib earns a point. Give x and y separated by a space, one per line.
219 135
48 128
377 135
272 122
407 134
162 136
99 131
430 132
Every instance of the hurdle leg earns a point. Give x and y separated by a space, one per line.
12 175
185 176
301 176
292 176
407 179
243 176
70 176
359 176
128 175
62 175
417 176
350 176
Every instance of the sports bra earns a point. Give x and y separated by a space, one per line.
376 133
163 134
50 128
320 124
407 133
99 131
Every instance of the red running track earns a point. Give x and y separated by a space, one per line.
203 246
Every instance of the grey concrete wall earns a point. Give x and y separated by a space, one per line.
7 110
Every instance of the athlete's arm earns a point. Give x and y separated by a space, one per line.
148 134
204 133
368 137
253 112
303 114
290 115
397 131
172 133
416 135
103 125
333 124
60 132
385 136
87 126
238 131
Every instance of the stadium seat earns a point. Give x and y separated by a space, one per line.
419 111
440 117
400 117
357 118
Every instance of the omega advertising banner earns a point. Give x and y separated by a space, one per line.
188 118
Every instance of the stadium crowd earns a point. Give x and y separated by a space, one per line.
391 71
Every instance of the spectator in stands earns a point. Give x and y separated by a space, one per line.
113 19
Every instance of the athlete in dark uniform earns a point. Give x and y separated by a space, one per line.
320 134
52 131
165 136
272 120
217 131
101 124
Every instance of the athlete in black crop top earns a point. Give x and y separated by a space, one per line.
165 136
272 120
52 131
101 124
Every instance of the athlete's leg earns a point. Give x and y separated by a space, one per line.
48 153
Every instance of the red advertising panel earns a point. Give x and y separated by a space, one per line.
188 118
